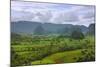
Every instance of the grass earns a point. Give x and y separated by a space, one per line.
62 57
51 51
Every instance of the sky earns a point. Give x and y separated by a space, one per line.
57 13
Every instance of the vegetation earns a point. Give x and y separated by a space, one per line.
91 29
67 57
40 48
77 35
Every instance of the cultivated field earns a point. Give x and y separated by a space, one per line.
36 50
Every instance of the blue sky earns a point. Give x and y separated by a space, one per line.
52 13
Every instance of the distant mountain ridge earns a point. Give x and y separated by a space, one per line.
29 27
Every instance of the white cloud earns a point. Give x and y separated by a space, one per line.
44 16
52 13
21 16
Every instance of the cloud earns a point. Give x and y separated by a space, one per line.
21 16
66 17
52 13
70 17
44 16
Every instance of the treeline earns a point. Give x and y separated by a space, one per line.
17 38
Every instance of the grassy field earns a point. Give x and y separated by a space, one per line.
52 50
62 57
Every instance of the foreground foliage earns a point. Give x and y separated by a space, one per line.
28 50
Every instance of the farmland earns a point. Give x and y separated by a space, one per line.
36 50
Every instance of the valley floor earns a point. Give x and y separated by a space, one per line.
62 57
